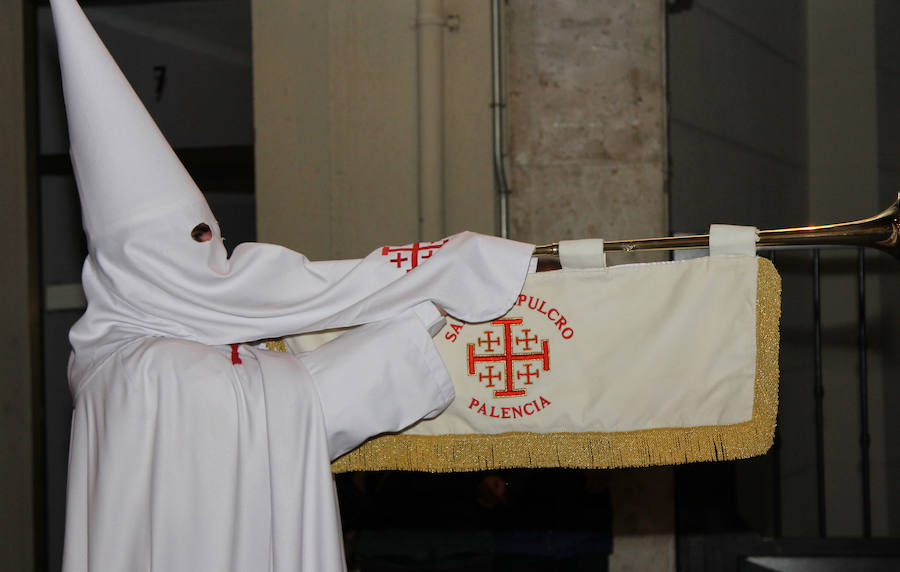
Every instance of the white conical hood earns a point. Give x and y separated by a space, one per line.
126 171
145 274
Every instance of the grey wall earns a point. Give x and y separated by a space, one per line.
19 299
206 96
337 123
843 184
737 126
781 115
737 123
887 65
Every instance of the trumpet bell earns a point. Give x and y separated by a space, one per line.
881 231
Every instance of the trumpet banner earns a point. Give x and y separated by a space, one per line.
627 366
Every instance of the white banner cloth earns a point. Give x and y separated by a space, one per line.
673 345
604 367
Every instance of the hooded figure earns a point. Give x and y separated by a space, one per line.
188 454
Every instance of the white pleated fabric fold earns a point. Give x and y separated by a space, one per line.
184 460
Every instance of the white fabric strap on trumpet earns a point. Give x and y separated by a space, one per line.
730 239
586 253
631 365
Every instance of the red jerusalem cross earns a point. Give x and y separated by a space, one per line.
509 359
527 374
489 340
418 252
526 340
490 377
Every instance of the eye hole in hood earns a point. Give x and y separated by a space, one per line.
201 233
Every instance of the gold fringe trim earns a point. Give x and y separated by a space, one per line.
276 346
593 450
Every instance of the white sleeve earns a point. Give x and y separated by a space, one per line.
380 377
272 292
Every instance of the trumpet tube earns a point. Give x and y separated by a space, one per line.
881 231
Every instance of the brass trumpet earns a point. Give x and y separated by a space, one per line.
881 231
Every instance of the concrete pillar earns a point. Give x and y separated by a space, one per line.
19 299
587 149
586 110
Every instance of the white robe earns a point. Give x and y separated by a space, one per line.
183 460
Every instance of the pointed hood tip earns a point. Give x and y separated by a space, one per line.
124 166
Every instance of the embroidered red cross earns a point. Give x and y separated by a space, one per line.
489 340
526 340
490 377
527 374
509 360
399 259
418 252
